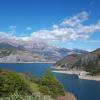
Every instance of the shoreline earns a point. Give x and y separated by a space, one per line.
81 74
24 62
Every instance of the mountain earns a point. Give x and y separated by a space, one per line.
10 46
89 62
32 52
50 52
12 54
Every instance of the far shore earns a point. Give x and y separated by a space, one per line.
24 62
80 74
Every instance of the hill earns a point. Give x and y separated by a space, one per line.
89 62
18 86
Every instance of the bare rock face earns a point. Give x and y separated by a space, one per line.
68 61
68 96
89 61
16 55
32 52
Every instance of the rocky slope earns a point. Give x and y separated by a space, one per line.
32 52
11 54
89 62
19 56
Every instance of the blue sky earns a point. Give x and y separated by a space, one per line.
63 23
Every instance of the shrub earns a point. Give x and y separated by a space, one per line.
50 85
11 82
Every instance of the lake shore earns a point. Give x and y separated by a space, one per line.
80 74
24 62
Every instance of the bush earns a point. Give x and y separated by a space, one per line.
50 85
11 82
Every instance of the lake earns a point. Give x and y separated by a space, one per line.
82 89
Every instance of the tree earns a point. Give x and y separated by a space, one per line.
51 85
11 82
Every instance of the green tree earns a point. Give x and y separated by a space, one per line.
11 82
51 85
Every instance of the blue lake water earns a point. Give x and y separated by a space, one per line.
82 89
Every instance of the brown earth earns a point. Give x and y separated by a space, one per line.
68 96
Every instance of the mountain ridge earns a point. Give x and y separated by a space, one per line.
36 52
89 62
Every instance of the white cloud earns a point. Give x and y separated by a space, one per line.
70 29
75 20
55 26
28 28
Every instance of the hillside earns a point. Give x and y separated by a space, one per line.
9 53
18 86
32 52
89 62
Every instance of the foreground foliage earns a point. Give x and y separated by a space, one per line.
12 82
36 96
50 85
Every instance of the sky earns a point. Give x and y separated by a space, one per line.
61 23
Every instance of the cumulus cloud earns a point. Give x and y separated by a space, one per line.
75 20
70 29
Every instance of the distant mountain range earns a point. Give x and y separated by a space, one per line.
89 62
23 51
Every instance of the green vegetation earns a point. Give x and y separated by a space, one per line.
36 96
92 67
50 85
11 82
26 86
